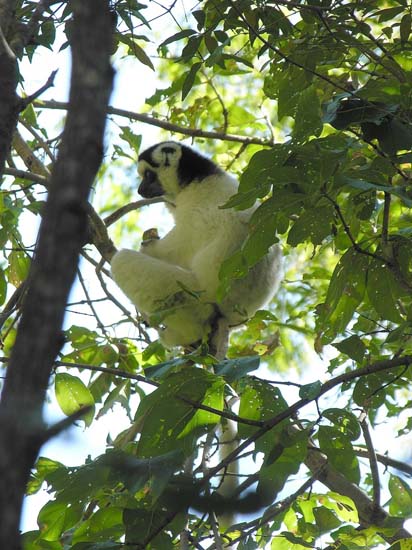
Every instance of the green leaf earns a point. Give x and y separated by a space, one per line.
177 36
141 55
312 225
338 448
18 269
102 525
388 14
401 501
262 233
382 291
310 391
353 347
234 369
72 395
134 140
44 466
191 47
160 369
279 87
364 185
326 519
234 267
167 422
405 27
308 115
3 287
190 79
260 401
402 544
367 390
262 166
140 523
280 463
56 517
344 421
345 292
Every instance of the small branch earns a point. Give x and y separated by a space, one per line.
295 5
13 304
381 153
376 498
109 295
99 235
140 378
48 84
387 461
123 210
89 302
62 425
165 125
215 529
225 112
348 232
30 176
32 163
385 220
393 67
39 139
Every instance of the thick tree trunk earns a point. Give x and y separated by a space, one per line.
62 234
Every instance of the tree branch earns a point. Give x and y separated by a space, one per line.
387 461
376 499
53 270
165 125
123 210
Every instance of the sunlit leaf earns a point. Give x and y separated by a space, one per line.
72 395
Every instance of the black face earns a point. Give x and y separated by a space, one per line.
150 186
194 166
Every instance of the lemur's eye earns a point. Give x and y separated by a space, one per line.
149 176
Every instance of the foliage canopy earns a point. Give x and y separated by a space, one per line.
309 103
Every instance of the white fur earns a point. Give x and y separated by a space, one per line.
204 235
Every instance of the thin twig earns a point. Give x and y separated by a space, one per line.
30 176
89 302
348 232
45 146
385 219
48 84
62 425
387 461
376 498
215 529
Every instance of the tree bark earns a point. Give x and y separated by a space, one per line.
62 233
9 101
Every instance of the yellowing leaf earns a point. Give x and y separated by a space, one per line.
72 395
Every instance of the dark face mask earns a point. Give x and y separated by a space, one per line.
150 186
